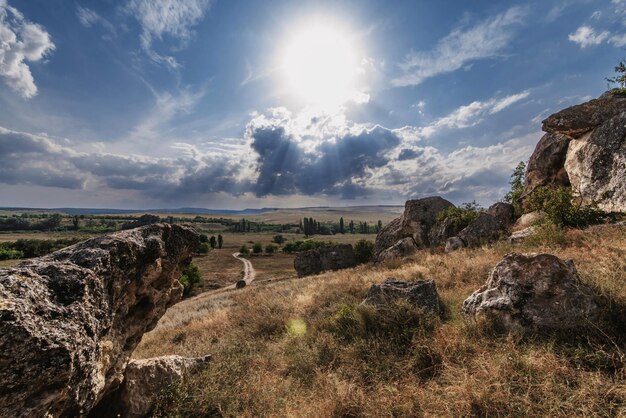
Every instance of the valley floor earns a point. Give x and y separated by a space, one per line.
306 348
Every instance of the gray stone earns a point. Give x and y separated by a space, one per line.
69 321
403 248
518 236
453 244
503 212
537 292
323 259
528 219
421 294
545 166
482 230
441 231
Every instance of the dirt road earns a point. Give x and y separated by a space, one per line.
248 273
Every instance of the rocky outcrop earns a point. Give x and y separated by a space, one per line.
403 248
421 294
323 259
416 222
488 227
441 231
70 320
143 381
585 147
528 219
537 292
518 237
503 213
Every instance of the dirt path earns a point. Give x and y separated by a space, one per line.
248 274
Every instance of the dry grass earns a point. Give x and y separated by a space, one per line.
305 348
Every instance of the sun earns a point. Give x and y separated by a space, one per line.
320 64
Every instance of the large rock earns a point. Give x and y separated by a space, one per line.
482 230
585 147
538 292
421 293
323 259
442 231
403 248
143 381
503 212
416 222
70 320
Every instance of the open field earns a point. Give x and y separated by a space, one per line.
285 349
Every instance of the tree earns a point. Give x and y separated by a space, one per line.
363 251
278 239
379 226
351 227
270 248
190 277
341 231
75 221
243 250
514 196
220 241
620 76
257 248
213 241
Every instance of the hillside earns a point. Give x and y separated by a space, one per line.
306 348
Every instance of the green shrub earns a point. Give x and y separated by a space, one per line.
38 247
270 248
243 250
257 248
364 251
9 254
203 248
278 239
298 246
560 208
462 215
514 196
190 277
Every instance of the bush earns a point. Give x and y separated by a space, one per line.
257 248
203 248
514 196
560 208
462 215
204 238
190 277
270 248
298 246
9 254
278 239
38 247
364 251
243 250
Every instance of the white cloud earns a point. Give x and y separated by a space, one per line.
586 36
618 40
21 41
461 46
89 18
174 18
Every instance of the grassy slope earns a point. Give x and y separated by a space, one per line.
305 348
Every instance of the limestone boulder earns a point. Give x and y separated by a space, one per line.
537 292
323 259
69 321
503 212
403 248
421 294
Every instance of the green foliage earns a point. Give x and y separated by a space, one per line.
298 246
220 241
213 242
257 248
514 196
243 250
462 215
278 239
620 77
190 277
364 251
560 208
203 248
204 238
37 247
9 254
270 248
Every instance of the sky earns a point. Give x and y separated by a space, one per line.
236 104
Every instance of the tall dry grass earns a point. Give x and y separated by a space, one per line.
306 348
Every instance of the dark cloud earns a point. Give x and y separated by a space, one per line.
408 154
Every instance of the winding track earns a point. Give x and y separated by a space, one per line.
248 273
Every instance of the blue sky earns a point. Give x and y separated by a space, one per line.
234 104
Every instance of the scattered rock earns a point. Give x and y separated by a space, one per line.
453 244
503 212
69 321
482 230
443 230
416 222
421 293
403 248
322 259
519 236
143 382
528 219
240 284
538 292
585 147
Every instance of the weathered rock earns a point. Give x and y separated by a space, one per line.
421 293
596 165
546 163
528 219
519 236
322 259
70 320
503 212
453 244
403 248
240 284
441 231
585 147
143 381
538 292
482 230
418 218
